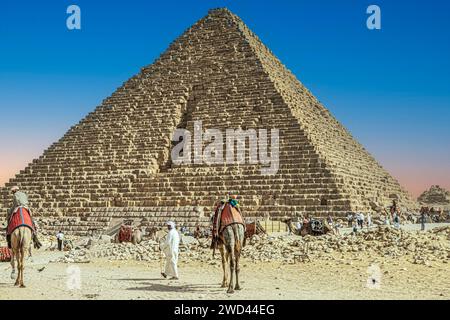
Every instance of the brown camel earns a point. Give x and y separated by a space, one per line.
230 244
20 242
13 262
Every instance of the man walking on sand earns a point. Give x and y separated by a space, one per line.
170 249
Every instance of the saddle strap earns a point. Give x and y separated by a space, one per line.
218 219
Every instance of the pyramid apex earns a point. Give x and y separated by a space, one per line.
219 11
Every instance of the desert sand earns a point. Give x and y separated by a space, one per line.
104 279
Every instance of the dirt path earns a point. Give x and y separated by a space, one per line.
346 279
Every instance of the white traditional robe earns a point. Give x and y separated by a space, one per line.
170 249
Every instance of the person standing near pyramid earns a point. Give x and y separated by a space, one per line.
170 249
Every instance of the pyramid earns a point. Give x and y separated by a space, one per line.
116 162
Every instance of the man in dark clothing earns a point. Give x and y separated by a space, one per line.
60 238
422 219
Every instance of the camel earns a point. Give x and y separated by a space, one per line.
230 245
136 236
20 241
13 262
313 227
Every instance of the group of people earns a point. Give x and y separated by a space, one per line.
355 220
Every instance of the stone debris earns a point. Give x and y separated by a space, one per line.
384 241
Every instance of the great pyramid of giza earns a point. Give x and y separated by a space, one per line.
116 162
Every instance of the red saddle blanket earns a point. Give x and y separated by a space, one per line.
5 254
223 218
125 234
19 218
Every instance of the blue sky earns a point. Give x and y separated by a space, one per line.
390 87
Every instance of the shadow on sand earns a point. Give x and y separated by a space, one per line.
164 285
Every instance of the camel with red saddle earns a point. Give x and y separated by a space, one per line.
20 229
20 232
229 238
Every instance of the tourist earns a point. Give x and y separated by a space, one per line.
422 219
355 228
349 220
60 239
288 222
336 227
197 232
356 218
369 220
361 220
170 249
298 225
396 220
305 220
330 220
393 208
387 219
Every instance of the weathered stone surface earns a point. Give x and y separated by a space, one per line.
116 161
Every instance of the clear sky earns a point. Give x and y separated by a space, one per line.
390 87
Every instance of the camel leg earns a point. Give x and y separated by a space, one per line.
22 266
237 255
232 268
224 266
13 265
17 258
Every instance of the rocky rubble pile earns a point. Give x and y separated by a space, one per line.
145 251
384 241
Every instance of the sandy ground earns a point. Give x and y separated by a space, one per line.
346 279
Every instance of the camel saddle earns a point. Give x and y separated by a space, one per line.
125 233
20 217
226 214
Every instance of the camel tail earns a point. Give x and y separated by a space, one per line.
21 238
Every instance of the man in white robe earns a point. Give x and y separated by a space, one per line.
170 249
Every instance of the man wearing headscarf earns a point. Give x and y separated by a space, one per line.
170 249
20 199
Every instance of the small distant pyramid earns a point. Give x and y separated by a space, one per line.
116 162
435 196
